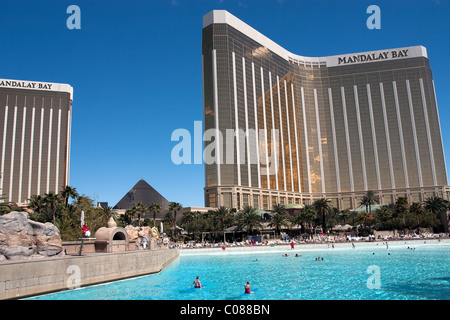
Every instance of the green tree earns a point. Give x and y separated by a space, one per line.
401 209
279 209
175 207
384 217
344 214
128 216
366 221
187 219
223 215
139 209
53 205
110 212
68 192
155 208
70 224
249 218
278 220
417 209
322 208
369 199
438 206
307 216
5 207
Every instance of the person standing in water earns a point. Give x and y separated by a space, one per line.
247 288
196 283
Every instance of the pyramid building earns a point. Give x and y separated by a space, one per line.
144 193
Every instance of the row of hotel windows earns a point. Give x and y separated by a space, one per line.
266 202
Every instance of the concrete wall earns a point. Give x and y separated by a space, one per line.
20 279
73 247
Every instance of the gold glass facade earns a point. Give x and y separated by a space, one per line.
35 126
342 128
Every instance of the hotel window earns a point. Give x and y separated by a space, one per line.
212 200
266 202
346 203
245 199
255 202
274 201
227 199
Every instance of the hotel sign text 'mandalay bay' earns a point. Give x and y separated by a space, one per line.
343 124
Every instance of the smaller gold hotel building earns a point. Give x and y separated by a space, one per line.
346 124
35 125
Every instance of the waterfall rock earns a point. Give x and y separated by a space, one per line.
22 238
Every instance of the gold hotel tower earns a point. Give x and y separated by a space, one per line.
346 124
35 127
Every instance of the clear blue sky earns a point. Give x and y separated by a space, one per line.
135 67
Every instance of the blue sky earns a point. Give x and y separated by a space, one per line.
135 67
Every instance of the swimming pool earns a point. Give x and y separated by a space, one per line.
413 270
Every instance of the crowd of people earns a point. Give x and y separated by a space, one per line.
321 239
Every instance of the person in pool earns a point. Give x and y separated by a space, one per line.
247 288
196 283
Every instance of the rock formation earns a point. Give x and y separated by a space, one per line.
136 233
22 238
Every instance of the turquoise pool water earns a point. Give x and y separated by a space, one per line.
395 273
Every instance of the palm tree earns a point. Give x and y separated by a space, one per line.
369 199
129 214
249 218
168 218
307 216
155 208
223 214
67 192
139 209
438 206
51 202
174 207
5 207
278 221
187 219
296 220
279 209
417 209
322 208
384 215
108 211
401 206
344 214
36 203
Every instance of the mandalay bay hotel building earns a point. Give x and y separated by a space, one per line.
35 127
316 127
